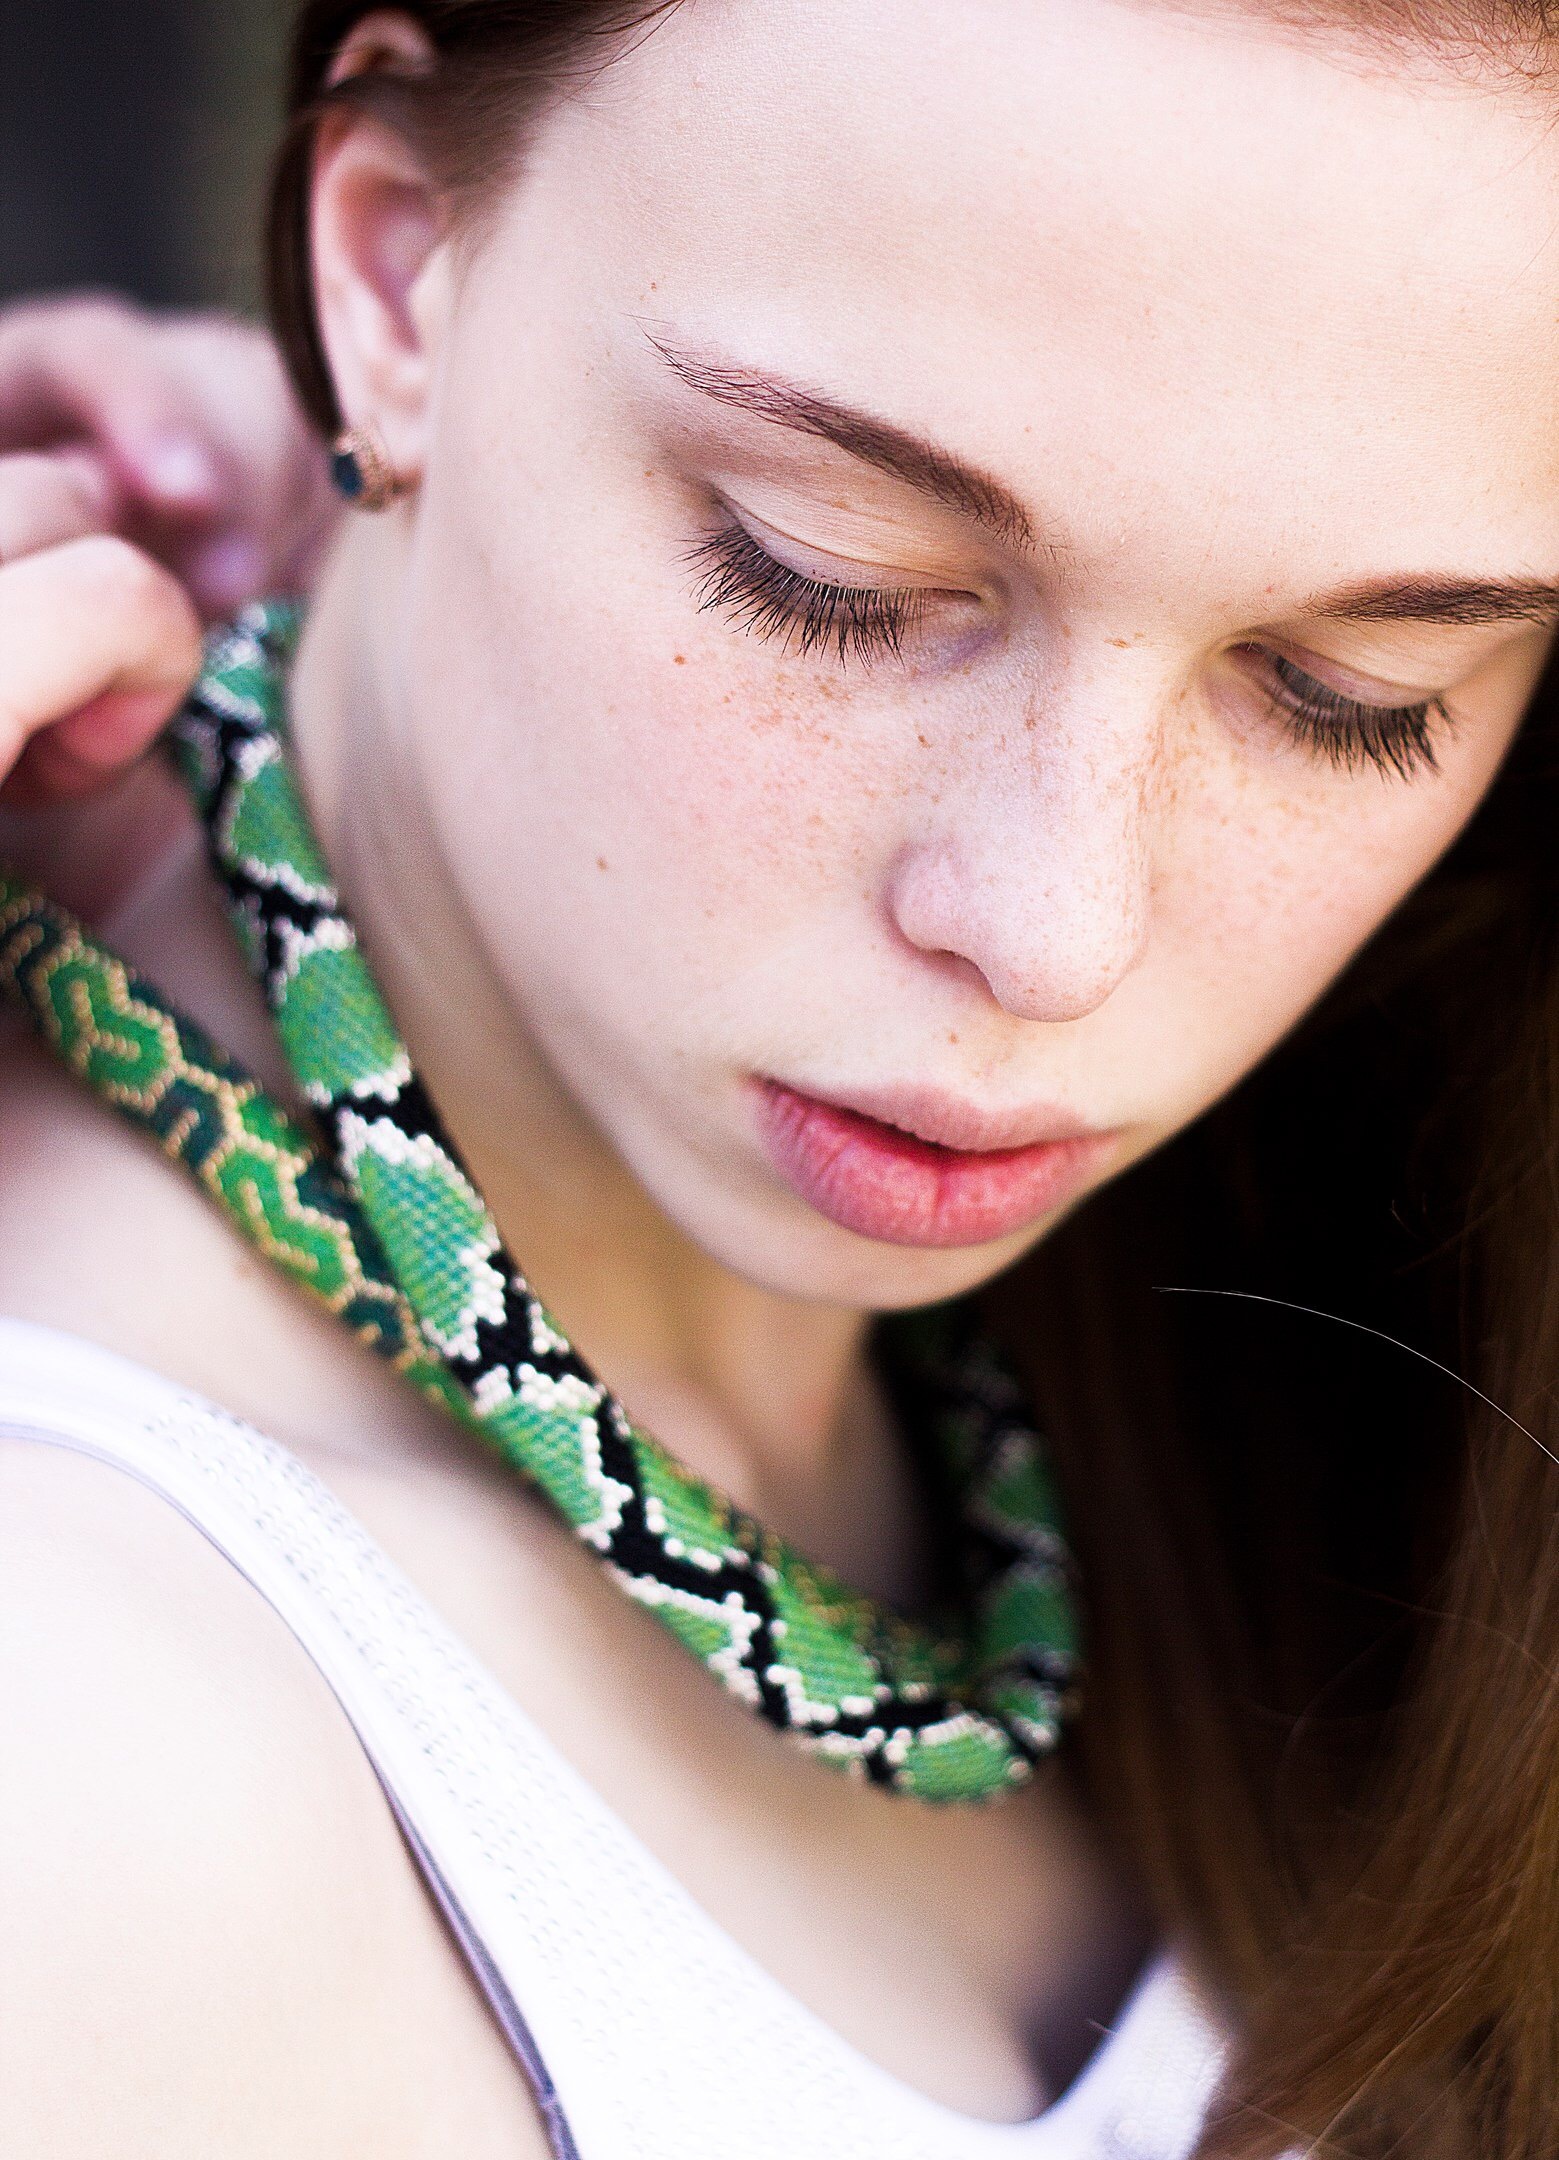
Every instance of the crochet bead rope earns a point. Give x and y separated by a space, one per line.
387 1227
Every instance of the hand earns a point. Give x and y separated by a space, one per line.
204 461
98 643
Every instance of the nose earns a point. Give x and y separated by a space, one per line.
1038 873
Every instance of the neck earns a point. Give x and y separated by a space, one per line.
766 1396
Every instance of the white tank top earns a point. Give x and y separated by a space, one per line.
645 2031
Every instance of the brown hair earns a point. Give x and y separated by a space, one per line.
500 64
1322 1577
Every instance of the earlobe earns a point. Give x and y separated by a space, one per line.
362 470
376 226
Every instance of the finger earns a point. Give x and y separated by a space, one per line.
278 505
228 572
47 500
227 380
95 369
79 370
97 644
85 752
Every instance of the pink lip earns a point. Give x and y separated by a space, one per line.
958 1178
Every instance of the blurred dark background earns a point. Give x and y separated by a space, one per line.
134 136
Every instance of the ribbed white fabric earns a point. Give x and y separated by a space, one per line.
646 2032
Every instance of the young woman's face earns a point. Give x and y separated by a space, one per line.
968 556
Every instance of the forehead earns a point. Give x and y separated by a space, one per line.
1111 250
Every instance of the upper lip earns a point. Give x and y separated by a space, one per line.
947 1121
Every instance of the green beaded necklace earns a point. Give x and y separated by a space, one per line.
375 1215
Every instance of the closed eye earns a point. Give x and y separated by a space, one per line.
759 594
1350 732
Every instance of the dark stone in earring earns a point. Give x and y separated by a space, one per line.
361 469
347 474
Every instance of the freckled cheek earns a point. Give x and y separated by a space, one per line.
765 798
1279 909
741 803
710 785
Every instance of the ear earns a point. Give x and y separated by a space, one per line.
377 230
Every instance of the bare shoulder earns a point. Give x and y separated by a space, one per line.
211 1937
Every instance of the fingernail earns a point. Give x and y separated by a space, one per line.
228 572
91 476
178 469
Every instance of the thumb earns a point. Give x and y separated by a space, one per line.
97 647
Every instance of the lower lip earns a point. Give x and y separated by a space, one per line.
885 1184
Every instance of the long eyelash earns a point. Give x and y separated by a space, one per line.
1397 739
764 596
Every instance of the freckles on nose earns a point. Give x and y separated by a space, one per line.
1050 934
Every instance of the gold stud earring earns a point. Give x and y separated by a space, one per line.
361 469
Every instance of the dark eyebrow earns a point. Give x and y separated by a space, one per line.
963 487
1442 600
